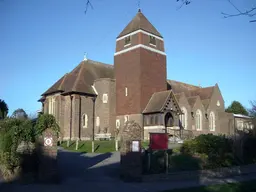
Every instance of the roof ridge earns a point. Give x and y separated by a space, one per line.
99 63
65 76
166 98
79 74
191 97
184 83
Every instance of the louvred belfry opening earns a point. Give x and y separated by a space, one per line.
140 65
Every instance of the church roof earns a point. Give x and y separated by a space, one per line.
139 22
192 100
81 79
158 101
191 92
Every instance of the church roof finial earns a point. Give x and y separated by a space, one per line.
139 10
85 56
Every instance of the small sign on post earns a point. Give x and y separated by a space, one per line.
48 141
158 141
135 146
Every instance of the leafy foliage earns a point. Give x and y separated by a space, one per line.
237 108
3 109
14 132
216 150
44 122
19 114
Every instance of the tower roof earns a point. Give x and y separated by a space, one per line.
139 22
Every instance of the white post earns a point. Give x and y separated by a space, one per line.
77 143
92 146
116 145
67 143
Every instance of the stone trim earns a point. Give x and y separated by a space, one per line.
140 46
154 127
139 31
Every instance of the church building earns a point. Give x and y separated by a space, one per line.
99 98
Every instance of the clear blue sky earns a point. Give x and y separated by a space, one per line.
42 40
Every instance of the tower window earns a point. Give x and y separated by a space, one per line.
85 120
126 91
152 40
105 98
127 40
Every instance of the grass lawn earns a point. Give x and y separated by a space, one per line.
247 186
86 146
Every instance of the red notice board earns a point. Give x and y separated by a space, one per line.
158 141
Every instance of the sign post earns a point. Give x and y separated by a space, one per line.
159 141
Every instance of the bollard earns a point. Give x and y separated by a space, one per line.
116 145
92 146
77 143
67 143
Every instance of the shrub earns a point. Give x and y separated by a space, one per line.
215 151
45 121
249 145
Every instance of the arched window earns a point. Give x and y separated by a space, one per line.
97 121
85 120
52 105
198 120
184 117
212 121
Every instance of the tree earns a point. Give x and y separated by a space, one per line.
252 111
19 114
237 108
3 109
251 12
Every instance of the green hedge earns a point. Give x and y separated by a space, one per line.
216 151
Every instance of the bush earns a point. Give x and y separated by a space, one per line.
216 151
249 145
45 121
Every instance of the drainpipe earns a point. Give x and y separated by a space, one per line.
71 105
93 126
143 127
79 133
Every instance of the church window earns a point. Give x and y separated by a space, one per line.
126 91
152 120
52 106
198 120
127 40
240 125
126 118
85 120
105 98
184 117
117 123
212 121
152 40
97 121
156 120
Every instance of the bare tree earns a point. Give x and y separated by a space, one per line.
251 12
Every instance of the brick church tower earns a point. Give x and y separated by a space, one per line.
140 68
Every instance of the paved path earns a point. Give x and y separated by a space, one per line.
99 172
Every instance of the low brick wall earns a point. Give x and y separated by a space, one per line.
193 175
